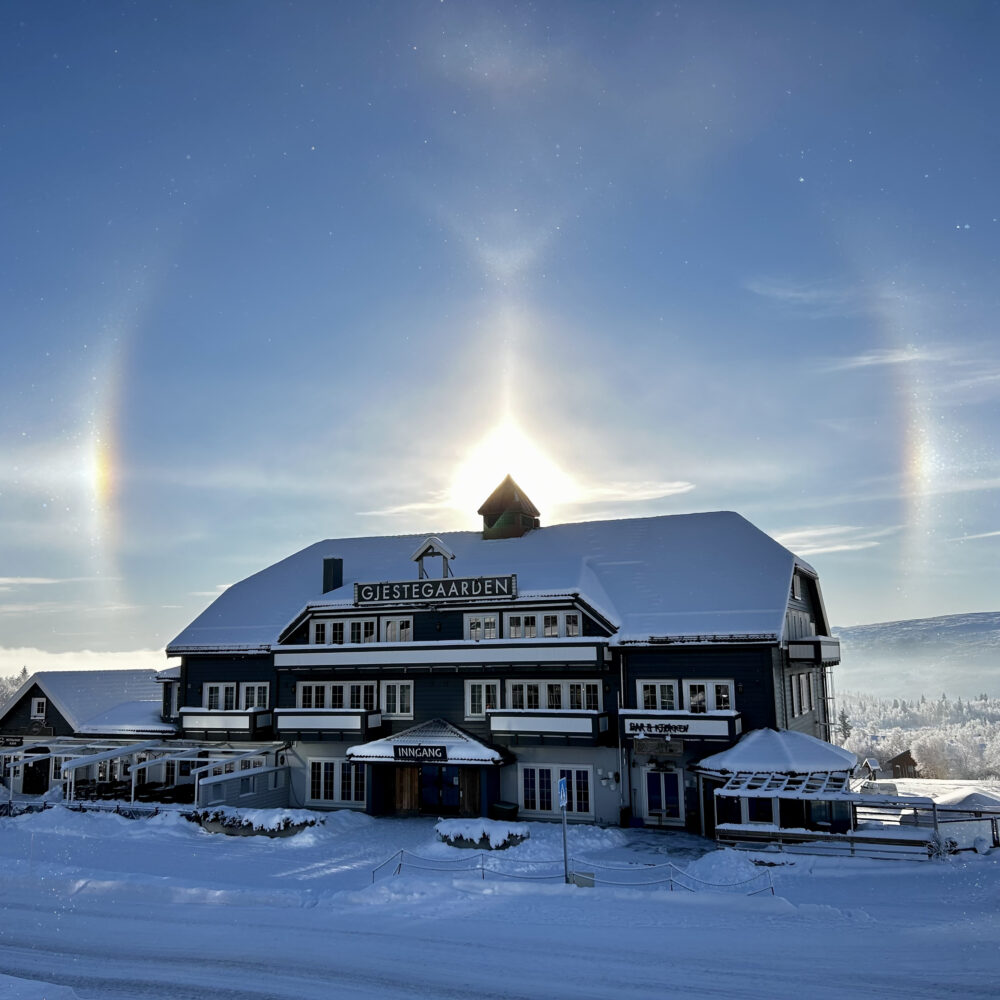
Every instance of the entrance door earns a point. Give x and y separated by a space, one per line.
665 797
439 789
35 777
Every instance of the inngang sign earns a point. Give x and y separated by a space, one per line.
457 588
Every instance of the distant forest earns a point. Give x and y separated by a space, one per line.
947 738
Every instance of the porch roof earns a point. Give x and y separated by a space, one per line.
458 746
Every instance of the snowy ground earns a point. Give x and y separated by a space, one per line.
100 906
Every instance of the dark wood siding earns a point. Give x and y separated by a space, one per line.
199 670
748 667
18 720
439 626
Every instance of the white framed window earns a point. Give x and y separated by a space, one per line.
555 695
481 626
584 696
480 697
38 706
336 780
319 633
708 696
802 693
553 624
397 699
657 695
335 696
363 630
336 633
254 694
538 788
219 697
397 629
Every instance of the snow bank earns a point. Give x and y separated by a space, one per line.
723 867
266 821
12 988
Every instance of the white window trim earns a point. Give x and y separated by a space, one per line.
468 697
709 682
399 685
543 693
397 622
555 769
539 615
39 706
482 616
247 685
338 799
345 687
222 686
640 701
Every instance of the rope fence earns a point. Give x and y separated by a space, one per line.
581 870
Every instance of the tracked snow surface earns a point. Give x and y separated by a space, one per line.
98 906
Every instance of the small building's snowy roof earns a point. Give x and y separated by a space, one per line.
82 695
711 574
779 752
168 674
131 718
460 747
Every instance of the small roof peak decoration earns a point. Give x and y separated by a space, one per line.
507 512
433 546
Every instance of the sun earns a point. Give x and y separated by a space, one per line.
507 449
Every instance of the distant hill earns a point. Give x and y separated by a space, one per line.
954 654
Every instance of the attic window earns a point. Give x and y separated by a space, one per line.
38 706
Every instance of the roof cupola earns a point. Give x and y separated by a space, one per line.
507 512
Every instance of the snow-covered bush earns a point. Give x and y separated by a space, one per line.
483 834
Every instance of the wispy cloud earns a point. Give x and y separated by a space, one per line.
832 538
969 538
893 356
827 297
45 581
437 502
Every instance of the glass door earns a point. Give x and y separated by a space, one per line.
665 797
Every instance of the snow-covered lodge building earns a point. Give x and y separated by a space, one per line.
467 673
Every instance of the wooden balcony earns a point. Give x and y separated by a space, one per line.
316 724
539 725
247 724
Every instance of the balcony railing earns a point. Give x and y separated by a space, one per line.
506 722
251 722
324 723
817 649
640 723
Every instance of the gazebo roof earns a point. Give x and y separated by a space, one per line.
779 752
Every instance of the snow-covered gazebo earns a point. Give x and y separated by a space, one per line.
780 781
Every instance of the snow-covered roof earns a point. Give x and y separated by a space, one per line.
83 695
131 718
168 674
779 752
460 747
672 576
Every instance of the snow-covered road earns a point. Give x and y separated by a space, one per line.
99 906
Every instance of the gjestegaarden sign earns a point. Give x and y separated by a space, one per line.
420 752
458 588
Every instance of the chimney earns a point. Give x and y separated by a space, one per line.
333 573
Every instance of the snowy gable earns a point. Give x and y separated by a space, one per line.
671 576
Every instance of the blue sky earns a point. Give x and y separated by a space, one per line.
274 272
